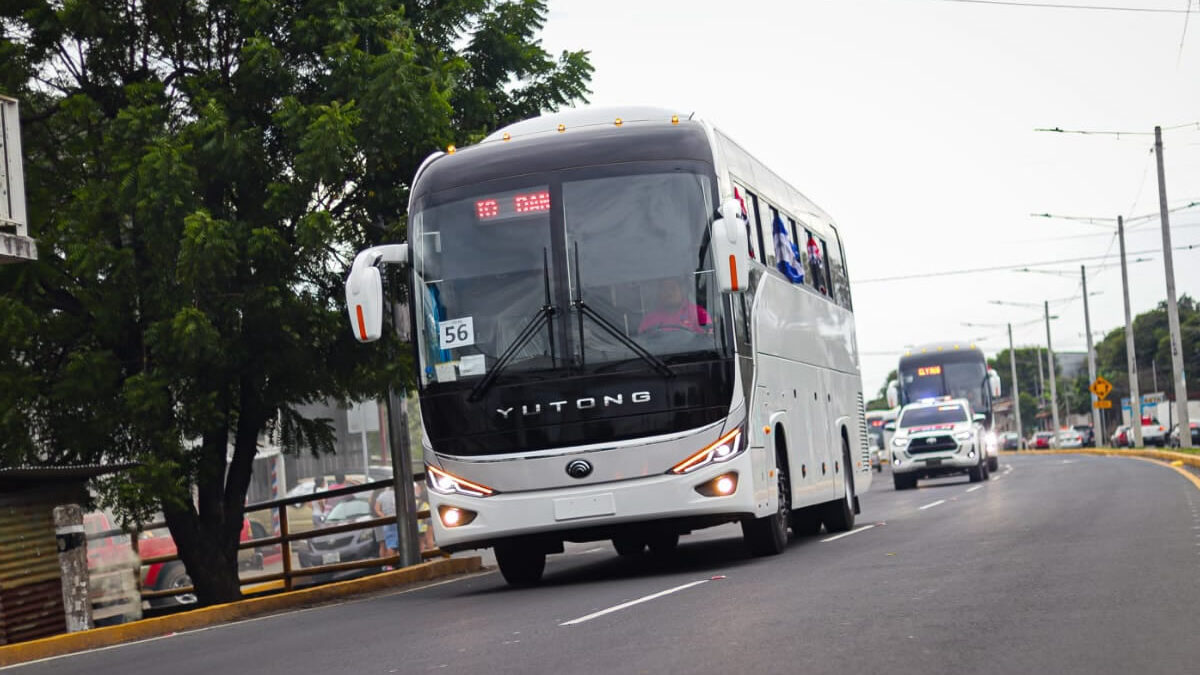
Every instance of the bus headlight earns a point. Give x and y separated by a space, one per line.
448 484
723 449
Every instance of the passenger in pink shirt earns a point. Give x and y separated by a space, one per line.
675 311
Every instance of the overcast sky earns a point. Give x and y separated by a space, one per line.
912 123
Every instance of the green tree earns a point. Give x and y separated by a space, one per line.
880 401
198 176
1152 344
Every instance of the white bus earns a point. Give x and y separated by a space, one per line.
608 349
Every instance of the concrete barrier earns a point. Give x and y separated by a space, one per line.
69 643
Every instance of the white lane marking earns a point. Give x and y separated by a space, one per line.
929 506
972 489
631 603
835 537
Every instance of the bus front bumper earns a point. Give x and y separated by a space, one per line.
595 512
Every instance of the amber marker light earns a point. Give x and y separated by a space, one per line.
562 128
723 449
618 122
674 119
450 149
448 484
507 136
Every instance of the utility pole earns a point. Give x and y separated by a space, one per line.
1097 430
1041 380
1050 368
1135 399
1016 392
1181 397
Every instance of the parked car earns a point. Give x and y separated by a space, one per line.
1010 440
1153 433
1121 438
1042 440
342 546
1069 438
1175 440
1088 434
172 574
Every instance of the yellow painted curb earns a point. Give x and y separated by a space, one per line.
58 645
1171 460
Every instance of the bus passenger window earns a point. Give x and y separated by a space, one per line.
817 267
746 200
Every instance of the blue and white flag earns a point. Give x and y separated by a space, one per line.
787 256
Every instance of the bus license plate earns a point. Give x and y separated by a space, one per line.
591 506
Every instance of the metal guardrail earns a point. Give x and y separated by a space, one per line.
284 540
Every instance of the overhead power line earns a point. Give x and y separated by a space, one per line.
997 268
1056 5
1195 126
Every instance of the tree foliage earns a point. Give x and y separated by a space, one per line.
1152 347
199 174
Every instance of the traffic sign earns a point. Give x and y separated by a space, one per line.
1102 404
1101 388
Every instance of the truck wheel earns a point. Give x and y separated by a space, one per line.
903 482
976 472
520 564
993 463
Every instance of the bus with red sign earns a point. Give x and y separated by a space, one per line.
954 369
626 328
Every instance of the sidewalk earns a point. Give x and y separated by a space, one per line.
68 643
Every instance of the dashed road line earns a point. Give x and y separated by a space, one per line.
929 506
977 487
631 603
864 528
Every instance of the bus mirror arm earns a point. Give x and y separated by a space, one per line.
729 246
364 289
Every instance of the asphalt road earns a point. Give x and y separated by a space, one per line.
1059 564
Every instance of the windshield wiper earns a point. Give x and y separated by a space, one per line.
541 318
585 310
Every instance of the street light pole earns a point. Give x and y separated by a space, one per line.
1016 392
1050 374
1091 354
1135 399
1181 397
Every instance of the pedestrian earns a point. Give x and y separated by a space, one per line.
385 507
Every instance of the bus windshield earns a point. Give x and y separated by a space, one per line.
586 270
966 379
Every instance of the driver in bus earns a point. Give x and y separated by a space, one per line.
675 312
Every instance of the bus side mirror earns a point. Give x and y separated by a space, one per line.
994 383
364 289
893 394
729 246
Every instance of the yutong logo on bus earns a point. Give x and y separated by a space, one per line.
587 403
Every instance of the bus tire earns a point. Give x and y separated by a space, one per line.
839 515
806 521
769 535
628 546
520 564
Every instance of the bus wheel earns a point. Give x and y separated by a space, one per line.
663 544
768 536
806 521
628 546
520 564
839 515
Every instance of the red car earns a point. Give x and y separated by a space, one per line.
1042 440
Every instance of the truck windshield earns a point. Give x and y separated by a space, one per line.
942 414
575 268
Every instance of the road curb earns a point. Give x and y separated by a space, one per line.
1171 460
108 636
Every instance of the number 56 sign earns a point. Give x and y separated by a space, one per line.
456 333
